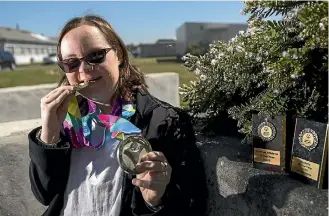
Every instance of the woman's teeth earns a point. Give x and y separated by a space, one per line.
94 80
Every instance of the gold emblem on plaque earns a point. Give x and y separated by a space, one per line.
266 131
308 139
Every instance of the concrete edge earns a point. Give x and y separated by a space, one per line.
28 88
9 128
53 85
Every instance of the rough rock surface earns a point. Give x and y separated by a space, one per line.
235 187
238 189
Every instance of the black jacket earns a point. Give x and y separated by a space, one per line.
167 128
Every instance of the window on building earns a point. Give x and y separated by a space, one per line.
11 50
36 51
17 50
29 51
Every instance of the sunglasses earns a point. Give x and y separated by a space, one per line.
94 58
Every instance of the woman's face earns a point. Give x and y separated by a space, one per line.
85 40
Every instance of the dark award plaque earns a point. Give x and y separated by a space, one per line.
269 143
309 153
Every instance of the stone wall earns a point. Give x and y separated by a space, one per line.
235 188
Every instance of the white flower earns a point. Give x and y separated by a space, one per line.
268 70
193 83
198 63
197 71
322 27
239 48
258 58
182 93
203 77
293 76
220 55
213 62
266 53
230 49
276 91
184 58
284 54
299 38
233 39
241 32
213 50
295 56
302 25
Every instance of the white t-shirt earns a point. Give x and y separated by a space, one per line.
94 184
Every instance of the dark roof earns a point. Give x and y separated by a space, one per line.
16 35
214 25
165 41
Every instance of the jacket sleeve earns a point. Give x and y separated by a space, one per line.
186 194
49 167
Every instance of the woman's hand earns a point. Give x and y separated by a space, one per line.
54 107
153 178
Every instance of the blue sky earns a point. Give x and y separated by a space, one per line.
134 21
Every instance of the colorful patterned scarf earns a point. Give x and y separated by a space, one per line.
94 129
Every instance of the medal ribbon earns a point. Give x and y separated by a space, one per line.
95 128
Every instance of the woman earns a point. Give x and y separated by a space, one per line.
73 166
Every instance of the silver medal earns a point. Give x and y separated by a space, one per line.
130 151
80 86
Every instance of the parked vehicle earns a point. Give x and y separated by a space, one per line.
50 59
7 61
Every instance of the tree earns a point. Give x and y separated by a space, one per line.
275 67
196 49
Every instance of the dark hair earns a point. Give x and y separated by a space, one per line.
130 78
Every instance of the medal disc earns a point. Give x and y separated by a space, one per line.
130 151
80 86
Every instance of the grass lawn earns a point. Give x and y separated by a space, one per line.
40 74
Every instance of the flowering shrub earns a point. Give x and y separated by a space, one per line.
274 67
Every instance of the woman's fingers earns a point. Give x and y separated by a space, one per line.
152 166
51 97
58 89
154 156
55 98
60 99
153 185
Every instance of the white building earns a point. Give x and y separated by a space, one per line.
205 33
27 47
162 48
